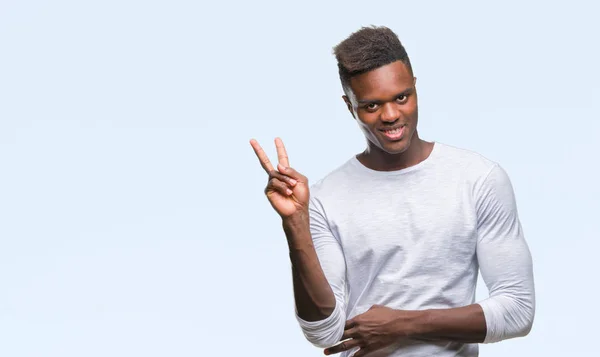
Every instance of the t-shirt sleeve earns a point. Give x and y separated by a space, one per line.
327 332
504 260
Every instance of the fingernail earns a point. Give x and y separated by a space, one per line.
289 192
293 182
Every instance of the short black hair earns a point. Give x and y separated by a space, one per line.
367 49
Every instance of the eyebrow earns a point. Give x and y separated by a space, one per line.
375 101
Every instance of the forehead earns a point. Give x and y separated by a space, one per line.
388 80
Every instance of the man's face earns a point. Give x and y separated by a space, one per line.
384 102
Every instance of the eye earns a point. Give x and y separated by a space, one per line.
371 106
402 98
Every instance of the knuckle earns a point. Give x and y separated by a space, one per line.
278 176
273 183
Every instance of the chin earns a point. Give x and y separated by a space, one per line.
395 148
390 148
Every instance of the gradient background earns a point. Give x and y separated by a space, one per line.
132 214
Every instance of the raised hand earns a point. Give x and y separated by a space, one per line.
287 190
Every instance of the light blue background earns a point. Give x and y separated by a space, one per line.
132 214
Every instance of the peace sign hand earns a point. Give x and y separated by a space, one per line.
287 190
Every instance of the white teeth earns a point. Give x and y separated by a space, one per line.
395 131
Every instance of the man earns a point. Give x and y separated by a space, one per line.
385 250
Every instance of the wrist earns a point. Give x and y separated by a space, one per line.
296 220
411 324
297 230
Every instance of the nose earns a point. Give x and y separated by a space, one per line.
390 112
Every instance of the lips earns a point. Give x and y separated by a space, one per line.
394 133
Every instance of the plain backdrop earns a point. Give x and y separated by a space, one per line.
132 215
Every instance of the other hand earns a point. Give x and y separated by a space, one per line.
372 330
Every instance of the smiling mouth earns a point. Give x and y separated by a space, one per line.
394 133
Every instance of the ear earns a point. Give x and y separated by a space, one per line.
348 104
414 81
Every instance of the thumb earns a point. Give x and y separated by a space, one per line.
288 171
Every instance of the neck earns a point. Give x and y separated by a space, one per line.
377 159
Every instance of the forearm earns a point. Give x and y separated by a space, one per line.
313 295
463 324
381 326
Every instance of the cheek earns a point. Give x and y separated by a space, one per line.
411 114
367 130
413 110
366 119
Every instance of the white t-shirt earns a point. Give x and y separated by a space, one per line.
414 239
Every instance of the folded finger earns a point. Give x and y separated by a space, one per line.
278 186
276 174
288 171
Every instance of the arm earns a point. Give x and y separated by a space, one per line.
504 260
318 268
313 295
506 267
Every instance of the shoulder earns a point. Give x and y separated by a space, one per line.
471 164
486 177
328 193
335 182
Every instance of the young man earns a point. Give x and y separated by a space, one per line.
385 250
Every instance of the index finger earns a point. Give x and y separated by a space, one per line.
349 324
341 347
262 156
281 153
